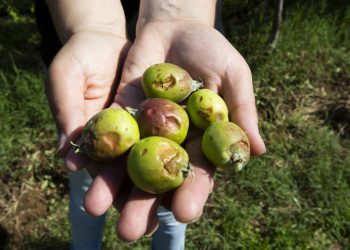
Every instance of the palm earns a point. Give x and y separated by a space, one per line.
201 50
82 78
207 55
204 52
97 58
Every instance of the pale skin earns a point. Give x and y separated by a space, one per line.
81 82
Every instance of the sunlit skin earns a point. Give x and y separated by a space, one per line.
228 81
82 79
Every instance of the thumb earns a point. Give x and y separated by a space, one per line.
64 90
239 96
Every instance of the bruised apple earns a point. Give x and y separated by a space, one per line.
169 81
226 145
162 117
109 134
205 107
156 164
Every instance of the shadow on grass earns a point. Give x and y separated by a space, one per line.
47 244
19 44
4 238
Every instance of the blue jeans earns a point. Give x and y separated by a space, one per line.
87 231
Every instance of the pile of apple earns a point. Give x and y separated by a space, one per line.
152 135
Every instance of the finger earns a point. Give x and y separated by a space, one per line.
104 188
239 96
138 215
64 89
189 199
123 194
152 225
145 52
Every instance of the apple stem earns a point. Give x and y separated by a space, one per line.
78 148
131 110
188 170
237 160
197 84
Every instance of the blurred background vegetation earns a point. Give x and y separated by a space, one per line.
296 196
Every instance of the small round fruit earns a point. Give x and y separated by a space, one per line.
169 81
162 117
226 146
109 134
205 107
156 164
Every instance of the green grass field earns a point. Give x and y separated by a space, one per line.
296 196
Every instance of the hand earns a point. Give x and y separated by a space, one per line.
81 81
205 53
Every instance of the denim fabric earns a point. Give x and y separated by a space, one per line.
87 231
170 234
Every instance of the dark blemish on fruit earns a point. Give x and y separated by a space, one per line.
170 158
155 130
205 113
144 151
168 83
219 116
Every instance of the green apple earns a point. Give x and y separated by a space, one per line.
205 107
109 134
226 146
169 81
157 165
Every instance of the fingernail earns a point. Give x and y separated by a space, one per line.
196 219
262 146
62 140
211 189
152 232
130 242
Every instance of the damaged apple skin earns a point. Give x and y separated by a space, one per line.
109 134
157 165
162 117
205 107
169 81
226 146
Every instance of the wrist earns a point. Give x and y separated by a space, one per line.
176 11
72 17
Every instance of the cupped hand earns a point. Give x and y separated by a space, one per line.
81 81
207 55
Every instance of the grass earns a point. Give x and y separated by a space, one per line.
294 197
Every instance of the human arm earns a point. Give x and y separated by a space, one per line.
81 78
